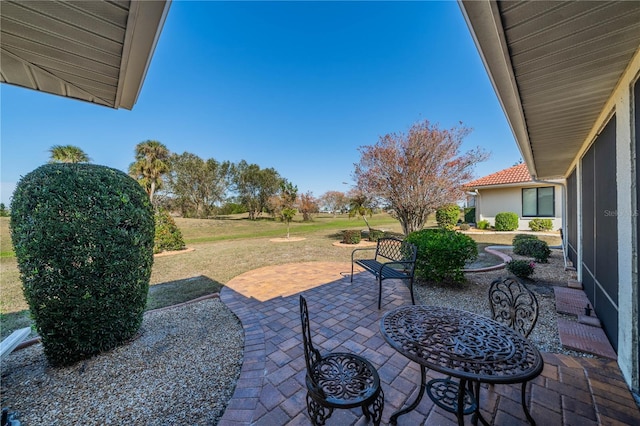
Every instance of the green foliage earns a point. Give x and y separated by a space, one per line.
3 210
168 236
540 224
483 224
83 237
530 245
470 214
351 237
232 208
464 227
447 216
521 268
375 234
442 254
506 221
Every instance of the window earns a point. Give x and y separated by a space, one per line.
538 202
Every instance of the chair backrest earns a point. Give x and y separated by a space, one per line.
513 305
311 354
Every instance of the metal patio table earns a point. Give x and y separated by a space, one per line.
468 347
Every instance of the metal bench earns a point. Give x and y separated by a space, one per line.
393 259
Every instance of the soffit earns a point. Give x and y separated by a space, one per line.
554 65
96 51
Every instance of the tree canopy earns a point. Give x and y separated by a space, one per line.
68 154
417 172
255 186
151 163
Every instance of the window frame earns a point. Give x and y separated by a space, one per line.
553 200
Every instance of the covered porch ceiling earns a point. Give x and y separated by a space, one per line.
554 65
96 51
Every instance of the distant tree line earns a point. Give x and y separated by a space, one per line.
409 175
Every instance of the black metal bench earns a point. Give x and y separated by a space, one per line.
393 259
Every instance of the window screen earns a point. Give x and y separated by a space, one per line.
538 201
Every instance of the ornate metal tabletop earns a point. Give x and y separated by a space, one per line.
461 344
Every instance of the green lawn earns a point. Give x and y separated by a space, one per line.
224 248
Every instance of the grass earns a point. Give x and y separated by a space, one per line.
224 248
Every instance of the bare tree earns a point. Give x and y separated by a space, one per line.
334 201
307 204
417 172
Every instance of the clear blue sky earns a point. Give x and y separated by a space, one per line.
296 86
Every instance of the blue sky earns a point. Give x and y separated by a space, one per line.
297 86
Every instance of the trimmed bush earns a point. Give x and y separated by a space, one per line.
470 214
351 237
506 221
464 227
483 224
521 268
442 254
168 236
540 224
530 245
375 234
83 238
448 216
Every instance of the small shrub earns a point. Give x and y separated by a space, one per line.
521 268
167 237
375 234
540 224
351 237
470 214
483 224
506 221
83 237
442 254
447 216
464 227
531 246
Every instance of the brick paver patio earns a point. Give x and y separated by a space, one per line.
344 317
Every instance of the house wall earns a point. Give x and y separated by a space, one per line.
622 103
491 201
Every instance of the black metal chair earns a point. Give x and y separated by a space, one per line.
338 380
513 305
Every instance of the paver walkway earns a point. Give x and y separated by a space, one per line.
344 317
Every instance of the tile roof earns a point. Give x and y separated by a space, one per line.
515 174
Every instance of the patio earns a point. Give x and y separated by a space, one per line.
344 316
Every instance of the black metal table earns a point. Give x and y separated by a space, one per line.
469 347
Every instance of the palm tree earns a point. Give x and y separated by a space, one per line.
68 154
152 162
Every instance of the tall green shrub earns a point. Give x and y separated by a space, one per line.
83 237
470 214
442 254
447 216
167 236
506 221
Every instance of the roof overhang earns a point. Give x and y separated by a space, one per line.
95 51
554 65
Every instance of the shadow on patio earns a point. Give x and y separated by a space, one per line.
344 316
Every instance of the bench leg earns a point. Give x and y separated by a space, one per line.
352 271
379 292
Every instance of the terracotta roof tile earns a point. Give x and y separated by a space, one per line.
515 174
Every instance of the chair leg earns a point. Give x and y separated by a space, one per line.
379 292
413 302
318 413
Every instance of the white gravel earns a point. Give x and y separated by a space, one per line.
179 374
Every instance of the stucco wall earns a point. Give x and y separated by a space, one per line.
491 201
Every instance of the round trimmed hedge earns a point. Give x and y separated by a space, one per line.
83 235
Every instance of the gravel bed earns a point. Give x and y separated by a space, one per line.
183 365
473 296
154 380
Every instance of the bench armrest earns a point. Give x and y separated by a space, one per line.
403 264
360 249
